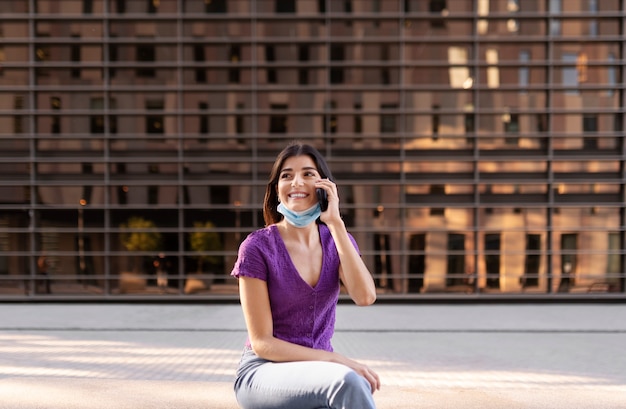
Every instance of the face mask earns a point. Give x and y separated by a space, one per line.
300 219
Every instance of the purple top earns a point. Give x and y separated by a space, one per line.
301 314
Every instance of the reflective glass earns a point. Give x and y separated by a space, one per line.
477 145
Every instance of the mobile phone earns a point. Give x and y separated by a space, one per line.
322 197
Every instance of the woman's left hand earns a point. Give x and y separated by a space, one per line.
365 371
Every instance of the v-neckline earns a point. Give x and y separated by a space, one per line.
293 265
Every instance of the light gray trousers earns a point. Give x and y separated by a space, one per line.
262 384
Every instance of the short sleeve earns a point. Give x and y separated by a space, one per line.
251 261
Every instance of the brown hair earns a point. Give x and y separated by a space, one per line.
270 203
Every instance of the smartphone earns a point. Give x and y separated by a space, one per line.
322 197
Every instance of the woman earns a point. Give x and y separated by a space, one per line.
289 277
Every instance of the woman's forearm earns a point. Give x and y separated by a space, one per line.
278 350
354 273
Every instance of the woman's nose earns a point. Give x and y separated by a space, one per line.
297 180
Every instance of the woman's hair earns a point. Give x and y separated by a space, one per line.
270 203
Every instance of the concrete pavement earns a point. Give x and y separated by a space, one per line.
93 356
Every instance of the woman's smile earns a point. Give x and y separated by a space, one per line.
298 195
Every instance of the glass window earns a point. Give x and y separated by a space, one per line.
337 54
278 121
569 72
611 74
555 22
523 76
153 5
388 119
285 6
155 123
235 57
215 6
460 74
146 53
437 7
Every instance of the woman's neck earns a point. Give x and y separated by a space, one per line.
304 235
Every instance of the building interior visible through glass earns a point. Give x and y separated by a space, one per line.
478 145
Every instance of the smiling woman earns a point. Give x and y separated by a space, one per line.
289 278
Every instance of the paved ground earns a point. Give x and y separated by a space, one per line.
135 356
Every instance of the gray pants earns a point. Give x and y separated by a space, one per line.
262 384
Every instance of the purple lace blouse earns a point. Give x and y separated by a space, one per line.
301 314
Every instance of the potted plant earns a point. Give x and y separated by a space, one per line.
138 235
203 240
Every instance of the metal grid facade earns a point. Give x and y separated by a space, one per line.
478 144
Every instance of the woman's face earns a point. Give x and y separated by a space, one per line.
296 183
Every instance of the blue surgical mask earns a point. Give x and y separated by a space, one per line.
300 219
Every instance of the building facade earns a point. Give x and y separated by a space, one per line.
478 145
